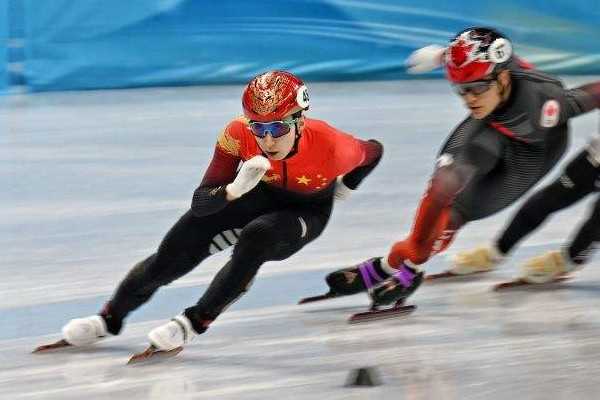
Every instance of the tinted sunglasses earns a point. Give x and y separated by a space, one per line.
274 128
476 88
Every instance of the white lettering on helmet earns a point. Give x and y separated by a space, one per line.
499 51
302 98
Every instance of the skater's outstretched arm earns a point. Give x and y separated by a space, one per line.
586 97
577 181
435 222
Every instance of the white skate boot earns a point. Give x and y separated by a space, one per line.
85 331
78 332
546 268
167 340
480 259
173 334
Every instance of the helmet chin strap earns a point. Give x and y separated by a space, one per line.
505 93
294 149
297 137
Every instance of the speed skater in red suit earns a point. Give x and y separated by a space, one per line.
268 192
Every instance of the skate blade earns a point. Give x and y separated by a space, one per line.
520 283
61 344
326 296
152 353
448 274
374 315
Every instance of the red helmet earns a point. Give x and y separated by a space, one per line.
475 53
273 95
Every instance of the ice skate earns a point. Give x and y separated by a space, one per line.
551 267
398 287
79 332
479 260
351 280
167 340
375 313
394 290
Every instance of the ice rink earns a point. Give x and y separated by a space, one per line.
93 180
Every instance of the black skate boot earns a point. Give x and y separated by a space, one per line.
394 291
358 278
352 280
398 287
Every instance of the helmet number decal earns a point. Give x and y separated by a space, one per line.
302 98
499 51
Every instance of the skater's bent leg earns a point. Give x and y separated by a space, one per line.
179 252
583 245
271 237
576 183
253 248
554 264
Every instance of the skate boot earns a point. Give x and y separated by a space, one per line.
480 259
85 331
547 267
173 334
397 288
167 340
358 278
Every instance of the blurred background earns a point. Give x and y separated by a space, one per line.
93 44
109 112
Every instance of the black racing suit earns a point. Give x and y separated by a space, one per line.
580 178
268 223
516 145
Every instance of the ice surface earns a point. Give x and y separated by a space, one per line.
91 181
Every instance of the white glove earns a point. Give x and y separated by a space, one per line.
425 59
248 176
342 192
